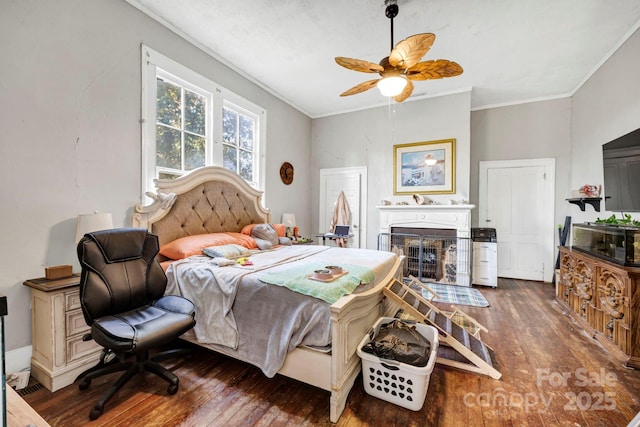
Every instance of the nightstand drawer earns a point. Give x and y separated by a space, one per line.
72 300
78 349
75 323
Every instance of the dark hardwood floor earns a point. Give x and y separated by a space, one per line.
553 375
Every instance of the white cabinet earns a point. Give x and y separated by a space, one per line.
485 264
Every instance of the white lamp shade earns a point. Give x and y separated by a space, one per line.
289 219
392 86
88 223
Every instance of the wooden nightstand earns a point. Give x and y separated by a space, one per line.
58 353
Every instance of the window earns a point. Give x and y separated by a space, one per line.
181 132
238 139
190 122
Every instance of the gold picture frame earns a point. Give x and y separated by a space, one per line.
425 167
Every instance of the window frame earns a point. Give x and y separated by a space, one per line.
155 64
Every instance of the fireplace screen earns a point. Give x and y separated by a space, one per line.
432 257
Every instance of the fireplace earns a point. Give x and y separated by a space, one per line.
435 240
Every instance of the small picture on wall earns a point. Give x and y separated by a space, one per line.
424 167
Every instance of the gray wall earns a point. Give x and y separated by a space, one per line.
366 138
528 131
606 107
70 102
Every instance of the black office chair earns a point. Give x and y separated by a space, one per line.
122 296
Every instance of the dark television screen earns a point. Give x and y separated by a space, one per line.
621 163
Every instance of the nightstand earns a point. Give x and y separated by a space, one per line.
57 326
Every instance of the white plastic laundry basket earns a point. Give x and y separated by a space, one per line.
393 381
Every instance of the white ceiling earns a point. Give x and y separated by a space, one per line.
512 51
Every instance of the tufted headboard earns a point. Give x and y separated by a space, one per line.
207 200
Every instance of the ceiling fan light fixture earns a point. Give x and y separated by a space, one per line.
392 86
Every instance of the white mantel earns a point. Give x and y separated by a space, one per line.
456 217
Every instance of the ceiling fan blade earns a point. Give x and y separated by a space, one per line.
409 51
408 89
364 86
435 69
359 65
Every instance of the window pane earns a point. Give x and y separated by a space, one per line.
193 151
246 165
168 147
168 104
230 158
229 126
246 132
168 175
194 112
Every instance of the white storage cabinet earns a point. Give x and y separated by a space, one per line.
485 264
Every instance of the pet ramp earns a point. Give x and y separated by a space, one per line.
465 349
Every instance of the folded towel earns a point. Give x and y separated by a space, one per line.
297 279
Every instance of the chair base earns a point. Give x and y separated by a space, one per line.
142 363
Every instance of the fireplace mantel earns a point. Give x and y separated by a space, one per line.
457 217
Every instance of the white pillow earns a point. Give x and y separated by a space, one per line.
230 251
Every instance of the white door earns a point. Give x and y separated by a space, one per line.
351 181
517 199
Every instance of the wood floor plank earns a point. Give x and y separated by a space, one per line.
543 355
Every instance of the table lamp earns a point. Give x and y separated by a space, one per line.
289 221
88 223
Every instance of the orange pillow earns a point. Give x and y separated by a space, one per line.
247 229
281 230
243 240
193 245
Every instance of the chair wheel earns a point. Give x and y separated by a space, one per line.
172 389
95 413
84 385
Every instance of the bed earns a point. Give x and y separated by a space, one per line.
318 347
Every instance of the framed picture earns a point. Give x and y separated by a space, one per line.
425 167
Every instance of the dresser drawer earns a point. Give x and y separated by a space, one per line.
482 255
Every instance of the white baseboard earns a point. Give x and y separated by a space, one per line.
18 360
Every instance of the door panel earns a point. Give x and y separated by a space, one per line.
514 206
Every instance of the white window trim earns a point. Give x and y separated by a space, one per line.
151 61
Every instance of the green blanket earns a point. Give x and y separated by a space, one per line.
297 279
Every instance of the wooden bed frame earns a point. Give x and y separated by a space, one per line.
213 199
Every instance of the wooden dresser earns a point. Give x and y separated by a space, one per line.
604 298
59 354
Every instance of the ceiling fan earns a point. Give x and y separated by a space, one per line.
401 66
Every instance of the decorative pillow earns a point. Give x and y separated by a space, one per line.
285 241
193 245
281 230
242 240
265 236
231 251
